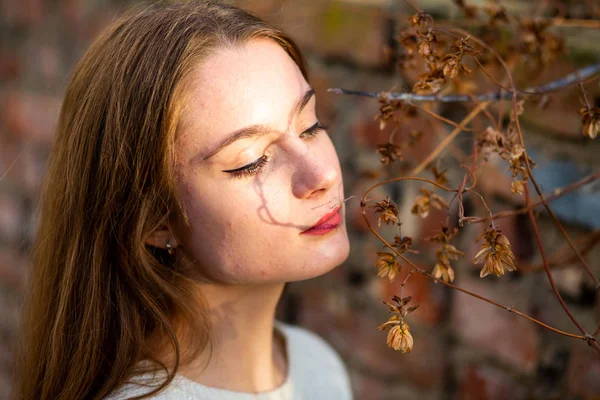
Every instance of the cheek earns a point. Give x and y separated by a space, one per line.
229 225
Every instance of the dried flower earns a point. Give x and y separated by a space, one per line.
495 253
403 244
452 62
388 212
491 139
399 337
427 199
408 40
443 269
387 108
508 147
590 121
401 307
440 175
387 266
443 236
516 158
428 85
420 19
517 110
406 56
389 153
426 46
517 187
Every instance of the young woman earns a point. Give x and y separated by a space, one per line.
189 181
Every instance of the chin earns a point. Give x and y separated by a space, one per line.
323 259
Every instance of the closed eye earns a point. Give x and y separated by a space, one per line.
313 131
256 166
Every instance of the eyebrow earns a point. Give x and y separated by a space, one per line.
257 129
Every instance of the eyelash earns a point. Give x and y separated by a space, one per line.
255 167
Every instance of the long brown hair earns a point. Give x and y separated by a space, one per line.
99 297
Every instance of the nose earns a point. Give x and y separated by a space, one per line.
314 175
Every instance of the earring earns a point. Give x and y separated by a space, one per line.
169 247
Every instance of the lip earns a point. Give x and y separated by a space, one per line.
327 223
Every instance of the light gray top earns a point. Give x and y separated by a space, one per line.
315 371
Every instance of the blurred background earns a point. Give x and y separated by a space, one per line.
463 348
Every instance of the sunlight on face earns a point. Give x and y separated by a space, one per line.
255 170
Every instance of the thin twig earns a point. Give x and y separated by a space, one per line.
556 193
562 257
547 206
554 22
404 282
578 76
448 138
547 267
538 239
443 119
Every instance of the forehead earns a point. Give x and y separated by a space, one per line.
254 83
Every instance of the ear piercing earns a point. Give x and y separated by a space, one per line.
169 247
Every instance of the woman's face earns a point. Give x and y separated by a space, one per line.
249 195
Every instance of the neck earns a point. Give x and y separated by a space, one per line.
246 356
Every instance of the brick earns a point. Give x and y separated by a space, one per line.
320 82
49 64
29 115
583 372
492 330
336 30
11 218
9 65
13 268
21 167
72 13
23 13
486 382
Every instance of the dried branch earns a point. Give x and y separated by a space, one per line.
424 272
449 138
556 193
547 207
563 256
554 22
589 339
578 76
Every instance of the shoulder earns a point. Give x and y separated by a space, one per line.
146 383
315 365
309 344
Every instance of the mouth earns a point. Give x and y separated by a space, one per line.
327 223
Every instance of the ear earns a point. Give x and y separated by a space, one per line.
159 238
